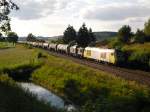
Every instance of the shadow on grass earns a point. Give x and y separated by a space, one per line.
21 73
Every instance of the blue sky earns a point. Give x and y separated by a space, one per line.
51 17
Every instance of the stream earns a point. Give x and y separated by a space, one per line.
47 96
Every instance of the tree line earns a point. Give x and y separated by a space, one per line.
33 38
125 34
83 37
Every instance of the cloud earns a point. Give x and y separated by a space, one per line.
51 17
116 12
35 9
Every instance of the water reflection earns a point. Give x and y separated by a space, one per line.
45 95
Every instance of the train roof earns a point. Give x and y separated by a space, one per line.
100 49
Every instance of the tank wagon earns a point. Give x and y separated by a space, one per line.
52 47
62 48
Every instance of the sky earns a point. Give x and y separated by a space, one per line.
51 17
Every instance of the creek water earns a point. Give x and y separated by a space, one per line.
47 96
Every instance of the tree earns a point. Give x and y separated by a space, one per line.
83 38
0 34
12 37
147 30
1 37
124 34
5 8
69 35
92 37
139 36
31 37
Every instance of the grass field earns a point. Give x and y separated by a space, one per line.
91 89
4 45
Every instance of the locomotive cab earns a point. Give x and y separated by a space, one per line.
120 57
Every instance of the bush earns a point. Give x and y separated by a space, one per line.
138 55
41 55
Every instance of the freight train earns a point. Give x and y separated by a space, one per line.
103 55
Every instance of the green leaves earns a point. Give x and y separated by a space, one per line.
5 8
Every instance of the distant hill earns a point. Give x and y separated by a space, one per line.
100 36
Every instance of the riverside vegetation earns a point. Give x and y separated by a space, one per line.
92 90
16 61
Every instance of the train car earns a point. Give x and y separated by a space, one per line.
62 48
73 50
45 45
34 44
98 54
40 44
52 47
80 52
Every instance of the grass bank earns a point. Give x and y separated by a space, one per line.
93 90
138 55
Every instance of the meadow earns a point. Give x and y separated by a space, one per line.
4 45
90 89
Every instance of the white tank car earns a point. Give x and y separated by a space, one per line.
63 48
104 55
73 50
34 44
40 44
45 45
80 52
53 46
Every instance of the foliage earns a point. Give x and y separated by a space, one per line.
124 34
147 30
139 36
5 8
115 43
58 41
69 35
92 36
12 37
31 37
138 55
85 36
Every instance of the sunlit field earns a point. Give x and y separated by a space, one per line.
82 85
4 45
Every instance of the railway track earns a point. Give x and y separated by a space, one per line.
139 76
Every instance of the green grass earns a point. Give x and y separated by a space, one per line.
138 47
14 57
4 45
80 84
